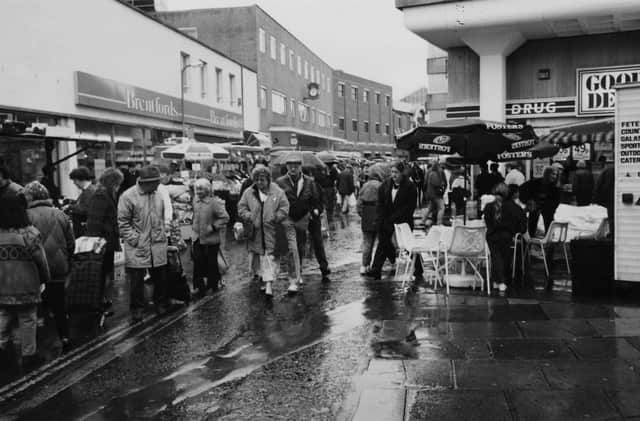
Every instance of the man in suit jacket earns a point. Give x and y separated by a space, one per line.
396 204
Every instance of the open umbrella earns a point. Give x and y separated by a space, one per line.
195 151
308 159
327 157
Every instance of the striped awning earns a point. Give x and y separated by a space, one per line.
594 131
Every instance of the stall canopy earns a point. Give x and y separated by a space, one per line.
475 141
594 131
308 159
195 151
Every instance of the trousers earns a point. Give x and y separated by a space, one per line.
160 289
19 322
368 239
315 232
205 265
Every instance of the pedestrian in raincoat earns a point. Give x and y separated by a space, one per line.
261 207
367 209
23 272
209 219
59 243
141 222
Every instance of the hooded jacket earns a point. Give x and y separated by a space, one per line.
263 216
56 234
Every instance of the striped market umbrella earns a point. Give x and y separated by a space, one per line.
195 151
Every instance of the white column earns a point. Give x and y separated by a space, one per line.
67 188
493 49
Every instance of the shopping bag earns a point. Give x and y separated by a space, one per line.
268 267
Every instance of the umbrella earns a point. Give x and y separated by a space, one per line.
327 157
307 158
476 141
195 151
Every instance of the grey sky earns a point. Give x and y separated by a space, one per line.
364 37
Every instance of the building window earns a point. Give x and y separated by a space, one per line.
191 31
386 129
218 84
291 60
377 98
437 65
299 66
292 108
341 123
329 86
185 60
377 128
283 54
317 76
322 81
278 103
400 123
313 116
354 93
354 125
365 126
263 98
262 36
306 70
387 100
204 76
313 74
365 96
232 89
340 89
303 110
272 47
322 119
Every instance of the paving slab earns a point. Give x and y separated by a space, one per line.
432 374
634 341
384 374
381 404
439 350
628 402
627 312
517 312
593 374
522 301
617 327
603 348
562 405
559 328
456 405
577 311
432 331
489 374
484 330
494 313
461 300
530 349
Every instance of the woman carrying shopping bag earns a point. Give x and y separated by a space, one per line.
262 207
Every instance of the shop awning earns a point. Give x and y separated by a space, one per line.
593 131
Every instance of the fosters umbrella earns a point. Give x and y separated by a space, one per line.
195 151
308 159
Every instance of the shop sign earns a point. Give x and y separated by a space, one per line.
554 107
562 155
596 88
97 92
629 141
581 152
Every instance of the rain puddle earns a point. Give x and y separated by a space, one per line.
277 339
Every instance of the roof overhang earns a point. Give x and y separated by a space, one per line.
447 24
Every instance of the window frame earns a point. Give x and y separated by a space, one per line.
273 47
283 54
262 40
341 124
354 125
341 89
283 98
204 78
263 101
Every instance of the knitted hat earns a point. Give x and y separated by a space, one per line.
36 191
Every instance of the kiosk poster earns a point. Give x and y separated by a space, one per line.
538 166
629 155
562 155
581 152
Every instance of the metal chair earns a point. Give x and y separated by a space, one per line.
410 249
556 234
519 242
468 244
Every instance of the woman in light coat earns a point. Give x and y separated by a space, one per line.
59 244
261 208
367 209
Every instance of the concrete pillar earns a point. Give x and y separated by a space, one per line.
67 188
493 49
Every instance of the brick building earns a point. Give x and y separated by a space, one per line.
285 67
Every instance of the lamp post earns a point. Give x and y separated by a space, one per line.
184 68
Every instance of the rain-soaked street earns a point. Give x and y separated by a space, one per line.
353 349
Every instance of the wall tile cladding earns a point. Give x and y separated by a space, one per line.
345 107
562 56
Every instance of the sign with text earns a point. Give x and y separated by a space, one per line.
581 152
629 141
539 165
94 91
562 155
596 88
554 107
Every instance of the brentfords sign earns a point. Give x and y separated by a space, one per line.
596 88
97 92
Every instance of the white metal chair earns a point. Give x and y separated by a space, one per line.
410 249
556 234
468 244
519 242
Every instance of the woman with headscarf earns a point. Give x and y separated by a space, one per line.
102 221
59 243
367 209
23 272
504 219
261 207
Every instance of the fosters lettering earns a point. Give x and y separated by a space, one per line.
97 92
596 87
434 148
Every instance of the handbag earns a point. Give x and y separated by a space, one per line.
223 266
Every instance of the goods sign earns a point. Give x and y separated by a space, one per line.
596 88
562 155
94 91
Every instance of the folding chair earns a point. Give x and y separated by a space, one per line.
519 242
556 234
410 249
468 244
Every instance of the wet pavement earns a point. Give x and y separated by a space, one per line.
354 349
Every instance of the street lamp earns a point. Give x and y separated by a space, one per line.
185 67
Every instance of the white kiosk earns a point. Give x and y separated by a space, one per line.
627 184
